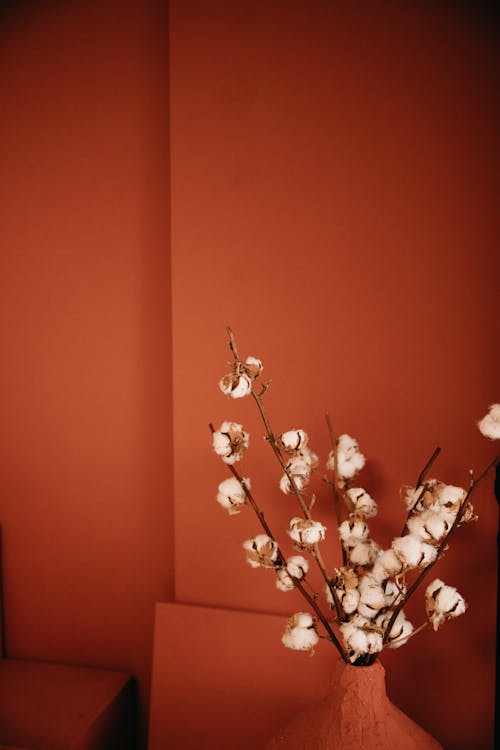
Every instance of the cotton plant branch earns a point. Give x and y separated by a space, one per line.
271 439
419 483
442 545
334 486
311 600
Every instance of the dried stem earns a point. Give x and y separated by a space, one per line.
473 484
282 561
271 439
418 484
427 466
334 486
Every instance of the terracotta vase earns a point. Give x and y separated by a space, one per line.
355 714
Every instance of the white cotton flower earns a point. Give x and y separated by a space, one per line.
346 588
310 457
293 440
283 580
409 549
372 597
401 628
393 593
362 502
300 471
300 633
410 495
387 565
422 498
360 637
236 386
489 425
262 551
430 526
348 465
231 494
346 454
347 444
305 532
253 367
449 498
364 553
348 599
230 442
353 531
442 603
297 566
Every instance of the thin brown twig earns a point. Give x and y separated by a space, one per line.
418 484
271 439
334 486
316 552
416 583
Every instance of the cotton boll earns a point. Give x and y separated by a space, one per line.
360 637
230 442
347 443
429 526
253 367
310 457
349 464
300 633
305 532
371 592
353 531
236 386
387 565
409 550
348 599
393 593
346 578
364 553
262 551
450 498
362 502
489 425
401 628
297 566
231 494
375 642
330 461
283 580
357 641
300 471
433 588
300 639
372 597
405 633
442 603
293 440
410 496
347 457
222 444
429 554
346 581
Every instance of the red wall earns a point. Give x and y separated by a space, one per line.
333 199
333 172
85 314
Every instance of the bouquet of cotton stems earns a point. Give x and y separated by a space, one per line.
362 610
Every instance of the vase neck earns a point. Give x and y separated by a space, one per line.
358 683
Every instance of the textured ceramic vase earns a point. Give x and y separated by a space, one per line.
356 714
